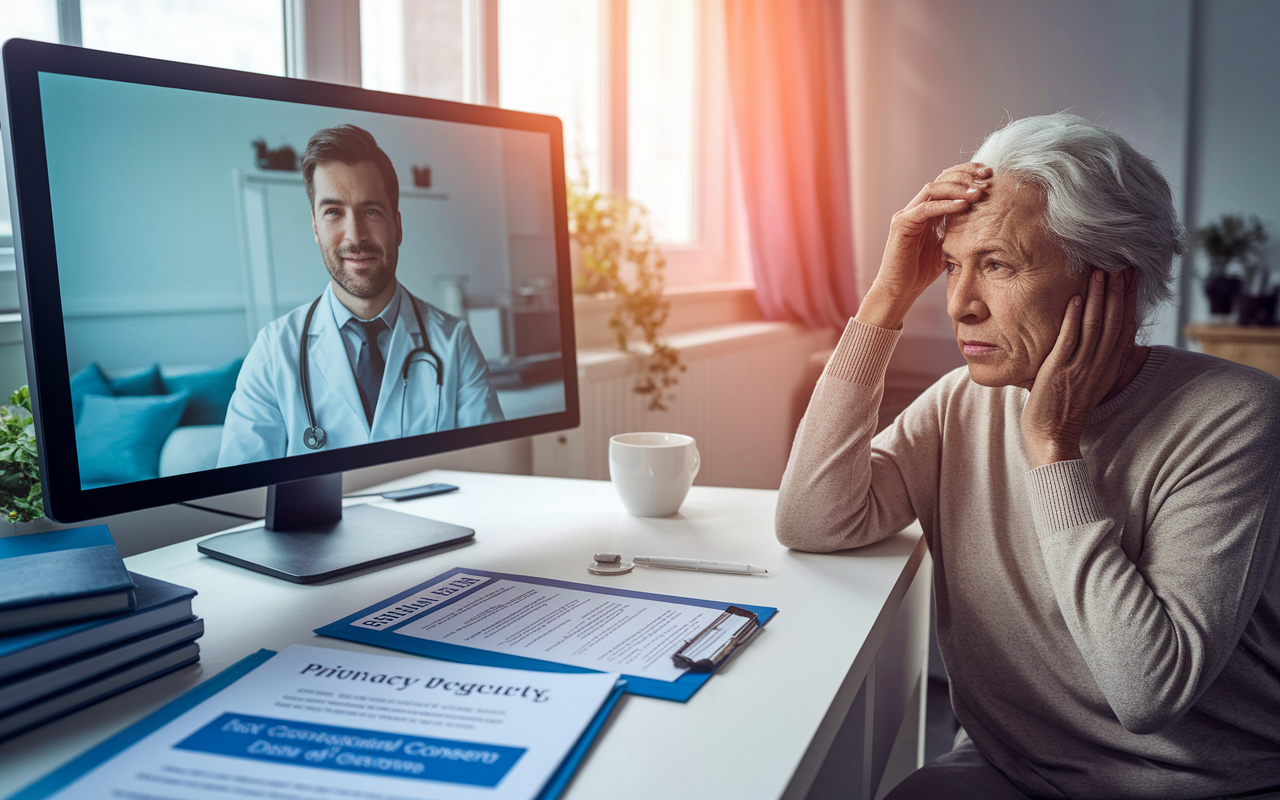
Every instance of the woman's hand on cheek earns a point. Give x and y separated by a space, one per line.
1097 336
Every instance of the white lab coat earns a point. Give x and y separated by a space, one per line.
266 417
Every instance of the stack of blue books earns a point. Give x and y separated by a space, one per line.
77 627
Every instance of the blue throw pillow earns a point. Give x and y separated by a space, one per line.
118 439
87 381
210 392
138 384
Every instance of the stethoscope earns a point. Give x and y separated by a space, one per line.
314 436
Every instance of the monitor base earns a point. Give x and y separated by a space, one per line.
366 536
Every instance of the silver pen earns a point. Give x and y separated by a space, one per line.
700 565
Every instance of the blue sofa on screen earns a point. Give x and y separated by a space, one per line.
148 423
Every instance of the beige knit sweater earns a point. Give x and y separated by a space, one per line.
1111 626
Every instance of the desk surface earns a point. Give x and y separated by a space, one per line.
772 711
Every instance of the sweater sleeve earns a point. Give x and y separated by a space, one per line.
1157 630
836 493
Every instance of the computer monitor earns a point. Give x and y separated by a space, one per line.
207 259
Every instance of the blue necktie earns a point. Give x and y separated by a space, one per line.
369 364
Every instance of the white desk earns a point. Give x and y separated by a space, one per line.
774 711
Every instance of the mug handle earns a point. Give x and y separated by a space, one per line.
697 461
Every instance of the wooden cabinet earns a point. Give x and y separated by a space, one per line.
1251 346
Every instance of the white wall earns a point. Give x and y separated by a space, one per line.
929 78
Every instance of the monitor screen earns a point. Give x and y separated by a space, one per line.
233 280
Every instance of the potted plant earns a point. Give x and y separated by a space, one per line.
1227 240
20 495
619 257
1257 298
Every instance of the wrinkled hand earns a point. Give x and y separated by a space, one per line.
1096 340
913 255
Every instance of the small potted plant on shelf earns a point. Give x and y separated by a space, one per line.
1230 239
1257 297
620 258
20 495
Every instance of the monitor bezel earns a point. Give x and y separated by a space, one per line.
40 295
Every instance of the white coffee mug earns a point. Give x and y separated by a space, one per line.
653 471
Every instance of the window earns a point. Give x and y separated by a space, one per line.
28 19
662 77
236 34
639 84
23 19
415 47
549 62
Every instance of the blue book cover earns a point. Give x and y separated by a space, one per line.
160 605
53 678
98 688
73 769
60 576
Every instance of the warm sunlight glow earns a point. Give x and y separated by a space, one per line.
413 47
662 78
549 56
29 19
236 34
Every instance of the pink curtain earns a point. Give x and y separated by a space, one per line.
786 77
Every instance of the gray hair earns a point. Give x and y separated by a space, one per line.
1108 206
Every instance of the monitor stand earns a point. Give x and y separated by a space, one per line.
308 536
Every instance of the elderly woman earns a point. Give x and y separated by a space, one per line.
1103 516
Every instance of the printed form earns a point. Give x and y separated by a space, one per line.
582 628
312 723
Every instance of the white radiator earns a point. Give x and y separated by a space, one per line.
742 397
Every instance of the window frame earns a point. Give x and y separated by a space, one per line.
322 42
717 254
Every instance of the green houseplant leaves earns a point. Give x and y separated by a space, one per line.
620 257
20 495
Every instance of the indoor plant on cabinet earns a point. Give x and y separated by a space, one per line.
1232 238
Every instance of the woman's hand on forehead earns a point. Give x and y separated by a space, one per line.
913 255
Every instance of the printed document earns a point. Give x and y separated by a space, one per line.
582 628
312 723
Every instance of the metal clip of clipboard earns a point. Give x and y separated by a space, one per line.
710 648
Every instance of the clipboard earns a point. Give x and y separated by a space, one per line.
711 648
412 601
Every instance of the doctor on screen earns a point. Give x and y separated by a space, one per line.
365 361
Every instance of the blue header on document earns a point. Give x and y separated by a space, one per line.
353 750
